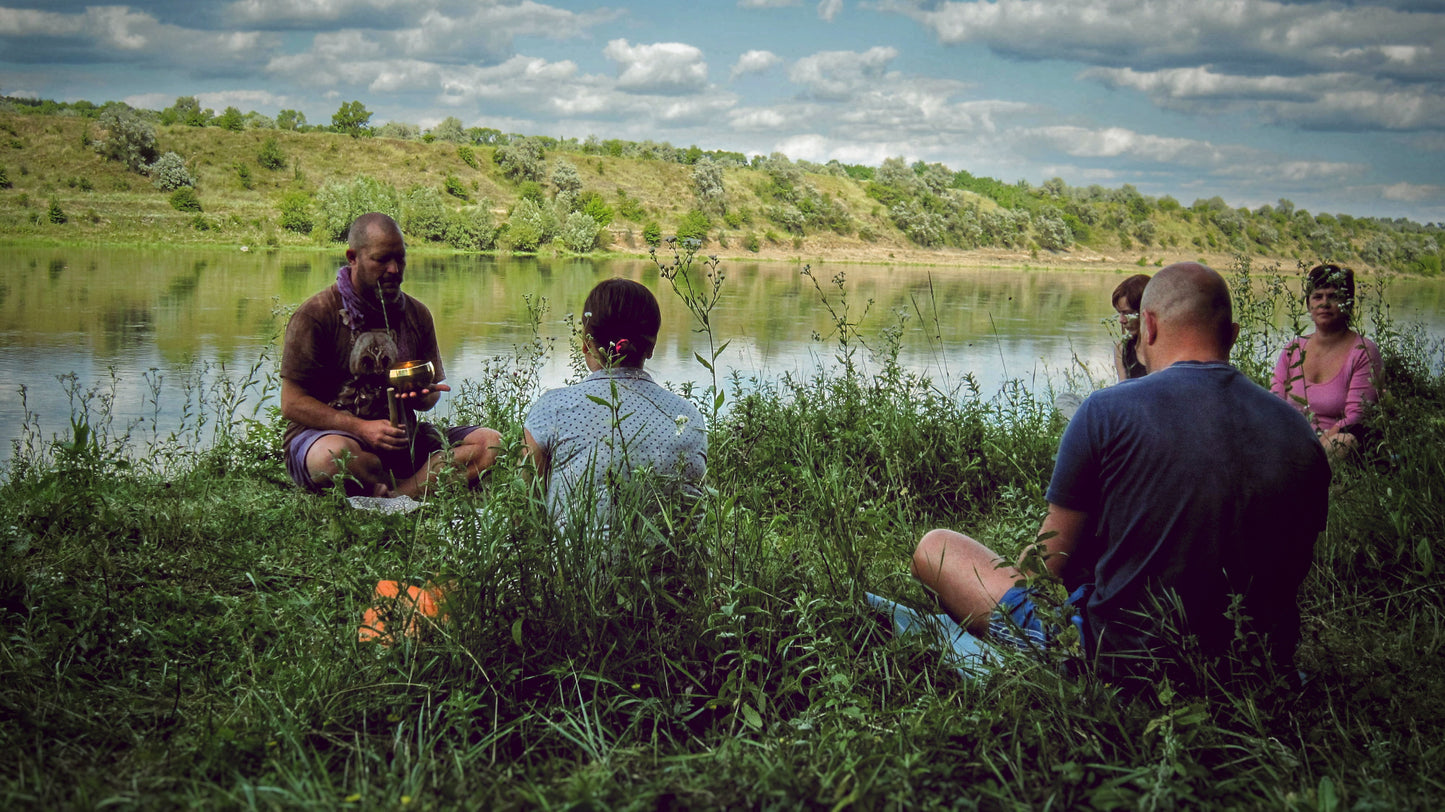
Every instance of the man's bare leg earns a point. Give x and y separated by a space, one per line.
325 462
474 454
966 576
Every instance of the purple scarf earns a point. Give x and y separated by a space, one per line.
362 315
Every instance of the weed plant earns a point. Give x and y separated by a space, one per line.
180 626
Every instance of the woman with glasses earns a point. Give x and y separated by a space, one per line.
1126 300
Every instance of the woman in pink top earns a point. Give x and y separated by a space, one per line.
1332 373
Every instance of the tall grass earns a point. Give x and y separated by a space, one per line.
178 627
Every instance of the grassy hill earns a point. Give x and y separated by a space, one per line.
56 186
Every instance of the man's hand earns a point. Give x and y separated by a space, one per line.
421 400
382 435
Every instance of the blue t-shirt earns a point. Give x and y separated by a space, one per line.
1200 483
592 450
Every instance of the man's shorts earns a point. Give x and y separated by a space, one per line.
1017 622
401 464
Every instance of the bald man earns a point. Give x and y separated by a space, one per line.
1180 503
339 346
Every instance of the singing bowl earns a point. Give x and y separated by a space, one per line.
411 375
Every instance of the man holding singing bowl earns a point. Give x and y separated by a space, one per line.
354 372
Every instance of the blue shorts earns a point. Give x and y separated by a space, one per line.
401 464
1016 621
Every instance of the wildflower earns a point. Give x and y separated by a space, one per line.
681 421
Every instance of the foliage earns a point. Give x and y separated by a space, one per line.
271 157
578 233
473 228
453 186
169 173
423 214
652 234
185 199
243 174
289 119
4 178
295 208
520 160
127 139
468 156
693 226
231 120
591 204
530 225
707 185
187 111
450 130
55 214
339 203
352 118
565 178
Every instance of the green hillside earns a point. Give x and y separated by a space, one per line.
64 176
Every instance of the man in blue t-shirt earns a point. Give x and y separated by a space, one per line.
1184 504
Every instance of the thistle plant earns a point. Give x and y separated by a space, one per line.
700 296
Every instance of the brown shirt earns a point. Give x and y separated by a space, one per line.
347 370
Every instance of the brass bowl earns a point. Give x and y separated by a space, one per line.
411 376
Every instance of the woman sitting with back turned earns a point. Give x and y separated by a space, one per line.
1330 374
1126 300
587 438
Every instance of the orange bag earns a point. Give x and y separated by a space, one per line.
392 604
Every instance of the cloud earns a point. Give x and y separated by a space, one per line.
768 3
840 75
663 67
828 9
102 35
1411 192
1116 142
1238 36
755 62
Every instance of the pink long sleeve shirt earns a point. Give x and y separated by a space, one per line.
1339 401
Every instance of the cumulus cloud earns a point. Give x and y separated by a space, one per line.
662 67
1411 192
755 62
117 34
768 3
839 75
828 9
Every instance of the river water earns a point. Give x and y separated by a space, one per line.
155 327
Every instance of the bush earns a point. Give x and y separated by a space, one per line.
56 214
579 233
339 203
128 139
185 199
270 155
592 204
529 226
243 174
454 187
468 156
520 160
630 207
424 215
693 226
296 212
707 184
169 173
4 178
565 178
652 234
472 229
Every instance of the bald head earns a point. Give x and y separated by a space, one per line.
1188 316
362 228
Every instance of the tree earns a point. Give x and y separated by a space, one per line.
579 233
520 160
291 120
707 184
295 209
450 129
352 118
187 110
231 120
128 139
339 203
565 178
184 199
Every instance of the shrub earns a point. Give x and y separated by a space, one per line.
529 226
56 214
4 178
1053 233
339 203
707 184
454 187
128 139
531 190
472 229
752 243
468 156
270 155
424 215
693 226
185 199
243 174
169 173
652 233
565 178
630 207
353 119
296 212
579 232
592 204
520 160
231 120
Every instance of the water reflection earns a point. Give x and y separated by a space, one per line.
89 311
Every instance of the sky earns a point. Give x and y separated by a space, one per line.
1337 106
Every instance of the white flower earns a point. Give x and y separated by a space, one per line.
681 421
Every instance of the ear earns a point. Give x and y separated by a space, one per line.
1233 337
1148 327
351 257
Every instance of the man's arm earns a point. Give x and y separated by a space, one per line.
1060 533
300 407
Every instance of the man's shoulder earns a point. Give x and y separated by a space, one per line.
321 303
